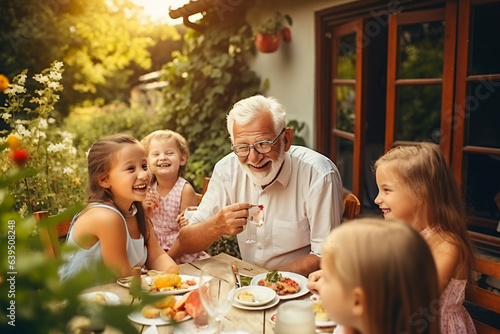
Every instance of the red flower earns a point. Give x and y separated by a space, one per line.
20 156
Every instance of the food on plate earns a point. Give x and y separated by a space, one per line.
319 312
168 301
150 312
246 296
174 309
99 299
168 282
282 285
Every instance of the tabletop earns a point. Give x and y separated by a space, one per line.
236 320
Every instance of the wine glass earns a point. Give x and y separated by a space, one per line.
217 288
255 219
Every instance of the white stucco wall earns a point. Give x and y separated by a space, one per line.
290 69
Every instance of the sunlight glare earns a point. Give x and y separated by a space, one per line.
157 10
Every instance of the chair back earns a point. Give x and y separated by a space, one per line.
206 181
50 234
483 298
352 206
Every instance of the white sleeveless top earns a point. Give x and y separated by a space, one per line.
85 259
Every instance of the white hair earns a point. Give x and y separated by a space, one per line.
248 109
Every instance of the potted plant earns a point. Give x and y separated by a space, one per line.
269 34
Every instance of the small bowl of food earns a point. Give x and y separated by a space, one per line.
254 295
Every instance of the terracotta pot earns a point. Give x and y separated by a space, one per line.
268 43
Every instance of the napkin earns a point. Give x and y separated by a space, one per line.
151 330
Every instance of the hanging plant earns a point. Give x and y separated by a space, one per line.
268 35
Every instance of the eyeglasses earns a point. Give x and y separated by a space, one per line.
262 147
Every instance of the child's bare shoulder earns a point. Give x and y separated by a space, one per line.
101 217
443 243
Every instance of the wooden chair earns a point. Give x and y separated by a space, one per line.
483 298
206 181
50 234
352 206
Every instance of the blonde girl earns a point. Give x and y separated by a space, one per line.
169 194
113 228
416 185
378 277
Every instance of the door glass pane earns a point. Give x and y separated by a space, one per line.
421 49
483 114
345 108
482 185
418 114
485 29
344 162
346 57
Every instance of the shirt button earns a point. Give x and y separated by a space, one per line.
260 247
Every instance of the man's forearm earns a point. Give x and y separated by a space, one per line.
304 265
198 237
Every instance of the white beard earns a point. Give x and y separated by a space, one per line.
263 179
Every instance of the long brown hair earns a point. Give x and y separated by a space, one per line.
423 171
394 267
100 160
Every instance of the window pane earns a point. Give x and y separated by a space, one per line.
419 113
485 29
482 185
483 112
345 108
421 50
346 61
344 154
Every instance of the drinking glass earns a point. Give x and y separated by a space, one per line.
295 317
255 219
217 288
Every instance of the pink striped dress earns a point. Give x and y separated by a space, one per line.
164 221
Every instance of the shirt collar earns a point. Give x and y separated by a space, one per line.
285 172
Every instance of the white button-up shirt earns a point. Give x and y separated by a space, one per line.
301 206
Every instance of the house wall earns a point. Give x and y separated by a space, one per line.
290 69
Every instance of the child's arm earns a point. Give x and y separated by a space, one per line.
188 197
107 227
446 256
157 258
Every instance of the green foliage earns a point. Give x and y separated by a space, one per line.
274 24
31 296
58 183
101 43
205 80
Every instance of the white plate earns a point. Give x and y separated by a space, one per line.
140 319
261 294
296 277
272 303
111 298
125 282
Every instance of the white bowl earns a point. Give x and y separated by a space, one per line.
261 295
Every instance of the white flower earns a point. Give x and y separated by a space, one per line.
22 79
55 75
22 131
42 123
14 89
55 148
58 65
54 85
52 120
6 116
41 78
68 170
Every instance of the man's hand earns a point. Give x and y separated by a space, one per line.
232 219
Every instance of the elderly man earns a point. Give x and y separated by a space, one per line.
299 189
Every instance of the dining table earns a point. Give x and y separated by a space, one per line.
236 320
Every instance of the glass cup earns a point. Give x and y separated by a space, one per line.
255 219
295 317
